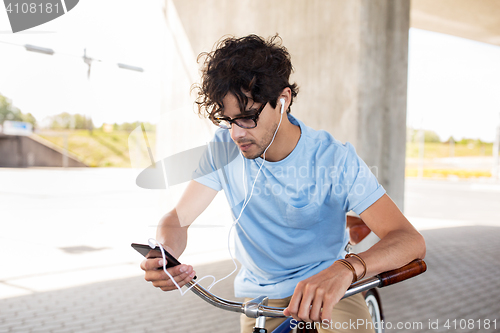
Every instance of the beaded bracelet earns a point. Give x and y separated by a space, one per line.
351 267
362 262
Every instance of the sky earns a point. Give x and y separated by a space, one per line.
113 31
453 86
453 83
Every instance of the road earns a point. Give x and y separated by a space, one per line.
471 202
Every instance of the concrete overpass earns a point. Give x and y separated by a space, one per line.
19 151
350 60
472 19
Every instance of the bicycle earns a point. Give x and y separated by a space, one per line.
258 309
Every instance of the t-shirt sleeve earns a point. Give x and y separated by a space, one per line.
206 172
220 152
362 187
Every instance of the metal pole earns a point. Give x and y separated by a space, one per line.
452 147
496 146
65 154
421 138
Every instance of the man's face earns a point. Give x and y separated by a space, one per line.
252 142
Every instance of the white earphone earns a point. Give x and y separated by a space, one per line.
153 243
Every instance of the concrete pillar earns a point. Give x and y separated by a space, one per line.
350 60
381 111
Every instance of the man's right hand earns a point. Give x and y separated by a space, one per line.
153 267
172 229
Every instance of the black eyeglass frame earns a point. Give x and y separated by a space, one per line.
254 117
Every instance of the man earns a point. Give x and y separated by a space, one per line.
289 191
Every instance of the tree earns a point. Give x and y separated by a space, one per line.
431 136
62 121
9 112
71 121
29 118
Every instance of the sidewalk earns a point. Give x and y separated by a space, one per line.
461 284
74 270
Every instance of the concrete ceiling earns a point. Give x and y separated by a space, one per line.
478 20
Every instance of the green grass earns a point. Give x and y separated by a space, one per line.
440 150
98 149
446 173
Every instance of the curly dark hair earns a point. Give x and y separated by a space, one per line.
252 64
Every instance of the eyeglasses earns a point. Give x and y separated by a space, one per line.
242 121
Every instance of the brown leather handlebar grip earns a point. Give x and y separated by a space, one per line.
414 268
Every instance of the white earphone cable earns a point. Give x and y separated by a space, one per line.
245 203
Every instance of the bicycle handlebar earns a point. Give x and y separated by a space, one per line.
410 270
255 309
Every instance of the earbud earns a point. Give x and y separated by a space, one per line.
282 100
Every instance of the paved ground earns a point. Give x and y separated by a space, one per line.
74 270
461 287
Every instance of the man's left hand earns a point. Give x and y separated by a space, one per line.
315 297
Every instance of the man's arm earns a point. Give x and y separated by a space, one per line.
400 243
172 234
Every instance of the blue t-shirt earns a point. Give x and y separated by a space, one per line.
294 225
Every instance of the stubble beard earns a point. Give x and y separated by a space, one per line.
262 146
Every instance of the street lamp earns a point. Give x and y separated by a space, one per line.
38 49
130 67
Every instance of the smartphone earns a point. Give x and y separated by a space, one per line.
149 253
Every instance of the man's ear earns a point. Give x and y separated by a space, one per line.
286 94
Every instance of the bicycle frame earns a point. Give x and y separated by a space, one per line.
257 308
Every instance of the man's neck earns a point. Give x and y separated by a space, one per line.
285 141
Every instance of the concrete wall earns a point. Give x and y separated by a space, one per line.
23 151
350 60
